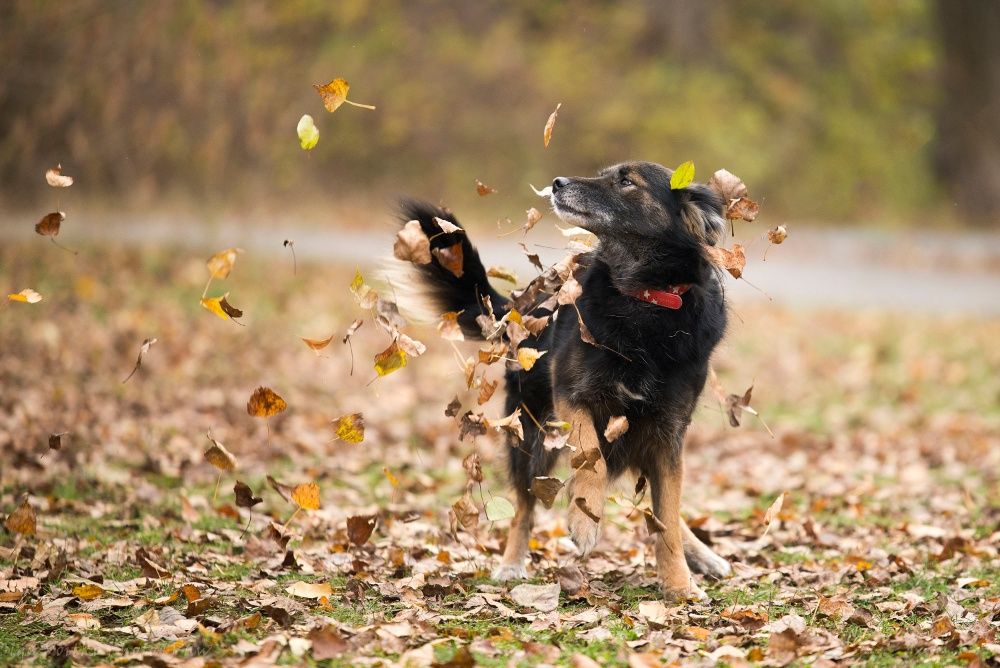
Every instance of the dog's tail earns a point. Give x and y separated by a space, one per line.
432 289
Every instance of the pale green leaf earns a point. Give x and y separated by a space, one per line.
498 508
308 132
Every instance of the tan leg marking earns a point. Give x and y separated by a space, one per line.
590 479
512 564
671 566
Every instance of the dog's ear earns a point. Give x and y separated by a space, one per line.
702 211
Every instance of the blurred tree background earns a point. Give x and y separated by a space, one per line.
832 110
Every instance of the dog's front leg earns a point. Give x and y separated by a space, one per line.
589 485
671 566
512 564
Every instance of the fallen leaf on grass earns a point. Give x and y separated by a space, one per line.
359 528
87 592
483 189
22 520
545 489
682 176
27 296
310 589
617 426
308 133
544 598
350 428
143 349
732 261
265 402
334 94
412 245
391 359
55 178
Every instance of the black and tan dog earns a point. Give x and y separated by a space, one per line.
653 303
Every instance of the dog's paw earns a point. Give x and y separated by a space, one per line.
506 572
689 594
710 564
584 531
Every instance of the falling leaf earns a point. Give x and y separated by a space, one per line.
55 178
777 235
742 209
527 357
306 496
55 440
220 307
735 405
617 426
391 359
290 245
143 349
585 458
486 391
728 185
22 520
771 514
49 225
412 245
682 176
447 226
364 295
451 258
502 273
473 467
350 330
449 327
285 491
451 410
244 495
544 192
87 592
466 512
549 124
265 402
219 457
310 589
221 264
732 261
350 428
510 424
318 344
471 423
499 508
359 528
546 489
27 295
334 94
393 480
483 189
581 503
308 133
411 347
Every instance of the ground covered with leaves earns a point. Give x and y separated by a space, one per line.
124 543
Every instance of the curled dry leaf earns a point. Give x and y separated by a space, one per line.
451 258
735 404
502 273
49 225
308 133
360 527
244 495
221 264
22 520
55 440
742 209
682 176
556 435
27 296
732 261
471 423
777 235
728 185
549 125
143 349
55 178
617 426
350 428
283 490
585 459
306 496
219 457
534 215
484 189
510 424
486 391
473 467
545 489
391 359
771 514
581 503
451 410
447 227
317 345
412 245
411 347
544 192
466 512
265 402
334 94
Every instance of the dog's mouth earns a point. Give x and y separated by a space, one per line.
571 214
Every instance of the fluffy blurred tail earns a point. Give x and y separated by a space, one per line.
428 290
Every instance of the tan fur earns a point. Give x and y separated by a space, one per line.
589 484
671 567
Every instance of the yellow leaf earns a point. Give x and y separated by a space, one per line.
214 305
173 647
27 295
350 428
503 273
364 295
334 94
306 496
265 402
393 480
219 457
527 357
391 359
682 176
87 592
308 133
220 264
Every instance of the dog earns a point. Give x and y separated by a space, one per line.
655 310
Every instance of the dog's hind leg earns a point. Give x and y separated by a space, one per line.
589 485
666 480
700 557
512 564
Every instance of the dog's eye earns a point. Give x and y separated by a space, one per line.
625 182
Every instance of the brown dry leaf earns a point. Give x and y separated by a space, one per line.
483 189
317 345
447 227
55 178
411 347
87 592
735 404
838 607
728 185
22 520
544 598
327 643
545 489
583 661
285 491
570 291
244 495
359 528
306 496
143 349
412 245
334 94
55 440
27 296
451 410
617 426
783 647
527 357
486 390
549 125
221 264
471 423
742 209
451 258
466 512
732 261
581 503
510 424
585 459
391 359
533 258
502 273
49 225
310 589
265 402
229 309
473 467
777 235
535 325
771 514
534 215
219 457
449 327
350 428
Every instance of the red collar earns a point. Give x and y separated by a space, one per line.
669 298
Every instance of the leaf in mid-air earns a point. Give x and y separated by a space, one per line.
308 133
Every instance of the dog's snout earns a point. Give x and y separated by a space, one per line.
559 182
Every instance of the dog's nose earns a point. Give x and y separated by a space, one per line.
559 182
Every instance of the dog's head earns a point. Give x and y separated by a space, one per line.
635 199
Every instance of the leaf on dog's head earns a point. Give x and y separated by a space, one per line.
55 178
350 428
22 520
27 296
617 426
391 359
728 185
317 345
777 235
219 457
48 226
527 357
363 293
549 125
451 258
306 496
682 176
449 327
359 528
244 495
546 489
308 133
484 189
334 94
221 264
412 245
265 402
742 209
732 261
510 424
143 349
502 273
